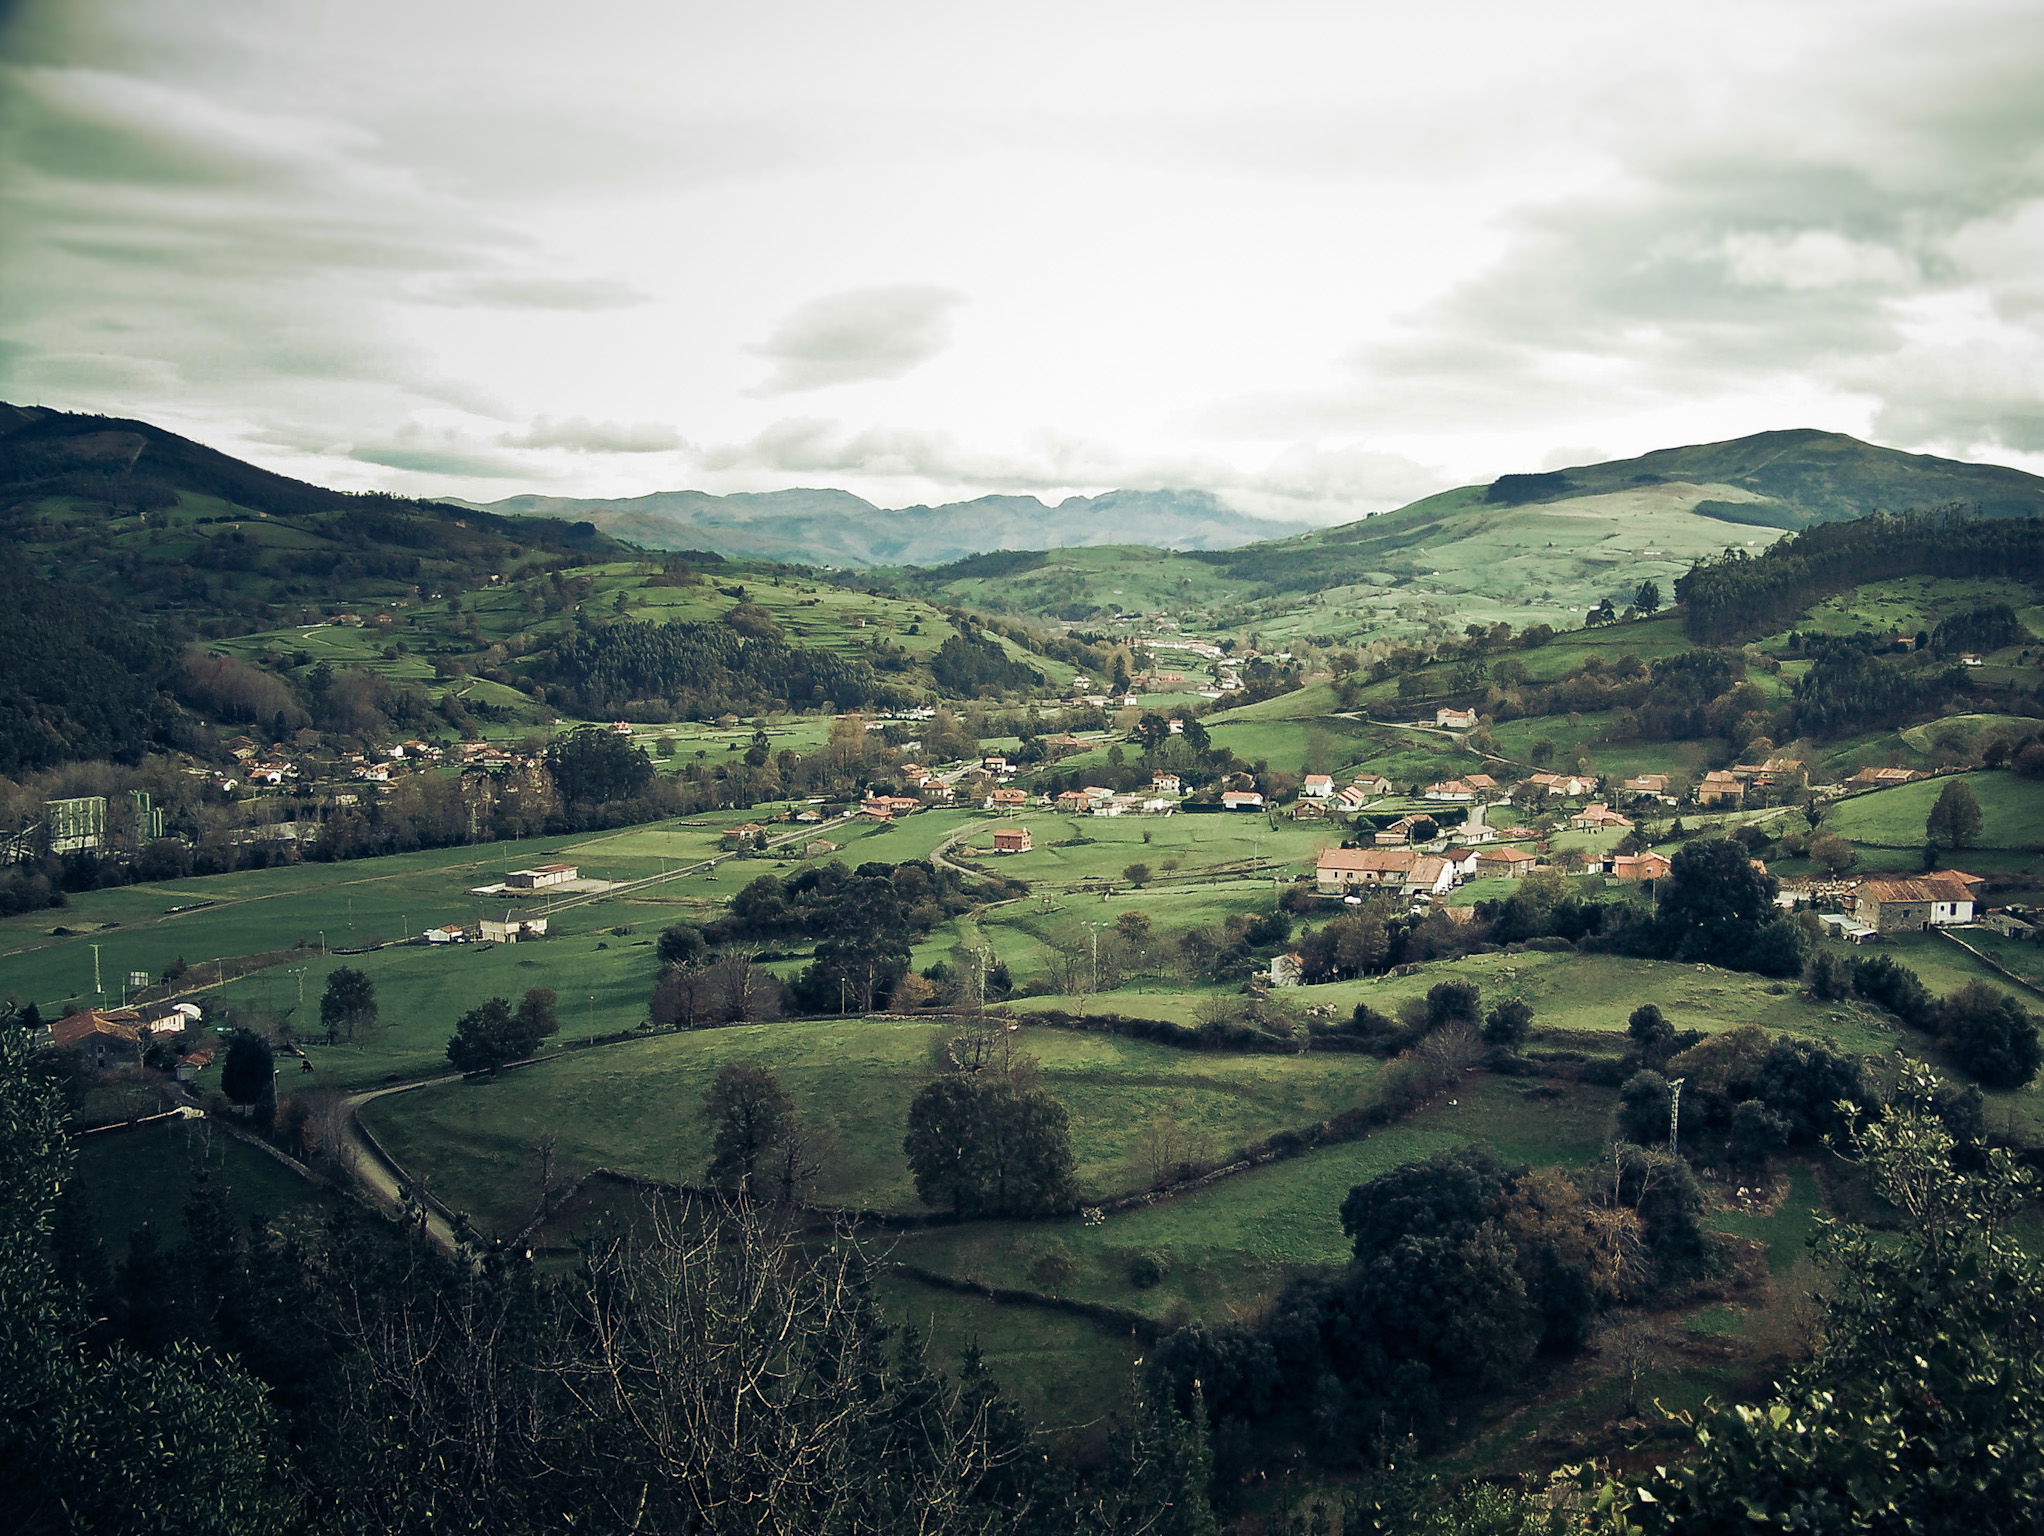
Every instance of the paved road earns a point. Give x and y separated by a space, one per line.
378 1177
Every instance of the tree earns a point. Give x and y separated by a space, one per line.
1757 1134
1653 1037
681 944
591 765
753 1131
348 1007
1713 903
536 1018
1453 1002
1643 1109
99 1438
1647 597
1506 1026
984 1144
1954 822
1832 852
488 1036
1136 874
250 1071
1990 1035
1919 1410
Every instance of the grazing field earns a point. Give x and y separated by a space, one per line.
337 906
1066 1373
633 1107
1910 605
2011 813
1226 1249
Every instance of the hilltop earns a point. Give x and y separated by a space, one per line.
1525 549
170 526
830 527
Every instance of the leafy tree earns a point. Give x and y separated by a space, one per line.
985 1144
1644 1104
1990 1035
105 1439
1653 1037
250 1071
1453 1002
1713 904
681 944
1507 1025
1137 874
1954 822
1447 1195
1919 1411
1647 597
753 1131
488 1036
537 1017
348 1007
1757 1134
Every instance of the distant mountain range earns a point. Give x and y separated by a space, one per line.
836 528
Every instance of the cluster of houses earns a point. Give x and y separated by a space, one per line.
107 1039
509 930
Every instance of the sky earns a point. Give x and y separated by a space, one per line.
1316 258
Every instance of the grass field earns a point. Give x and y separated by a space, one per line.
632 1107
2011 813
1226 1249
335 906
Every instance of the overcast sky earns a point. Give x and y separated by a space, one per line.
1319 258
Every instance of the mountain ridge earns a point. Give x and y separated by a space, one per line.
826 526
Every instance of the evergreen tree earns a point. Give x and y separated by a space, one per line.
250 1070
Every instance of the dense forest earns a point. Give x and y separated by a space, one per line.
1735 596
694 671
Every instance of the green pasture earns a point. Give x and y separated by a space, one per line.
1226 1249
1109 844
1066 1373
1585 733
1910 604
1595 994
337 906
1116 578
633 1107
603 983
2011 813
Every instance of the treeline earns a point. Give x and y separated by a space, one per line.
699 671
82 682
1849 690
1463 1272
974 665
1737 595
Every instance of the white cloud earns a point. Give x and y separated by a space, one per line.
578 434
859 335
1814 258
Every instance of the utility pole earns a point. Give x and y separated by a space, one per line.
96 989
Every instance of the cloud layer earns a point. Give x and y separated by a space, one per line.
1161 244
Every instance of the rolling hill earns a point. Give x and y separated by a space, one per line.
169 526
1537 548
